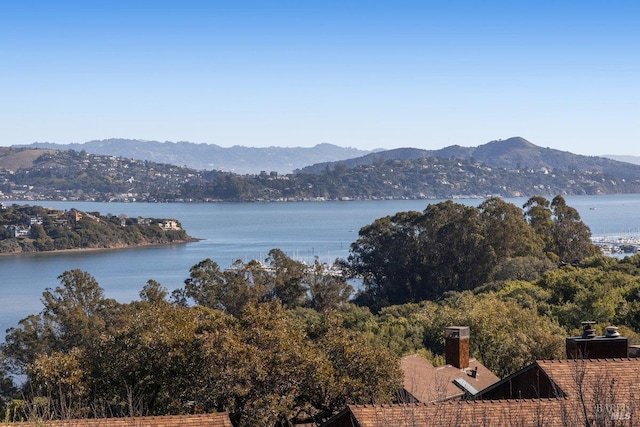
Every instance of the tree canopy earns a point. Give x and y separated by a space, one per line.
278 341
240 348
413 256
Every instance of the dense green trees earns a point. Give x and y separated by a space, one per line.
327 289
412 256
267 362
565 236
282 279
387 258
88 355
74 315
506 232
571 236
278 342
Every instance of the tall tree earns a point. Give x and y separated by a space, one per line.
571 236
538 214
79 309
75 314
387 256
412 256
230 290
289 278
326 290
205 284
454 249
153 293
23 343
506 231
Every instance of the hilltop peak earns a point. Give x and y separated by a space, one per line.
513 142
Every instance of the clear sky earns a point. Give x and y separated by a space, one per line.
365 74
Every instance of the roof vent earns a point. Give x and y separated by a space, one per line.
588 332
612 332
465 386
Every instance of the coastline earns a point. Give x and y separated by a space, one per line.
92 250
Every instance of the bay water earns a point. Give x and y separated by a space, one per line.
245 231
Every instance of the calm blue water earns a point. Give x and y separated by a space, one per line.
231 231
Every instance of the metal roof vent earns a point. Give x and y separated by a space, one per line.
588 332
465 386
612 332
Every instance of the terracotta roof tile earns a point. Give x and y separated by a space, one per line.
201 420
521 413
595 376
427 383
597 392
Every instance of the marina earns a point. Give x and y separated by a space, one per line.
618 245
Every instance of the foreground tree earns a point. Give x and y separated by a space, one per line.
79 310
261 364
75 314
360 372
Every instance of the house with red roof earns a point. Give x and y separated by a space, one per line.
599 391
462 376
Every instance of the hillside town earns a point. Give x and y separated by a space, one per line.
80 176
25 228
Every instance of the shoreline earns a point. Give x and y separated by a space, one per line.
92 250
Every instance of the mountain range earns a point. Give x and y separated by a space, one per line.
514 152
236 159
513 168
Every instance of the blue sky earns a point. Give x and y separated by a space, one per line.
425 74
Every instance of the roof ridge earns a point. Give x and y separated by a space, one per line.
602 359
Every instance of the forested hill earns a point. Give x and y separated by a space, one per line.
40 229
28 174
512 153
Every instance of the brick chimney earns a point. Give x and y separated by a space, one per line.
591 346
457 346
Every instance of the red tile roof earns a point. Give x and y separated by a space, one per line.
570 378
427 383
620 375
596 392
520 413
489 413
202 420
